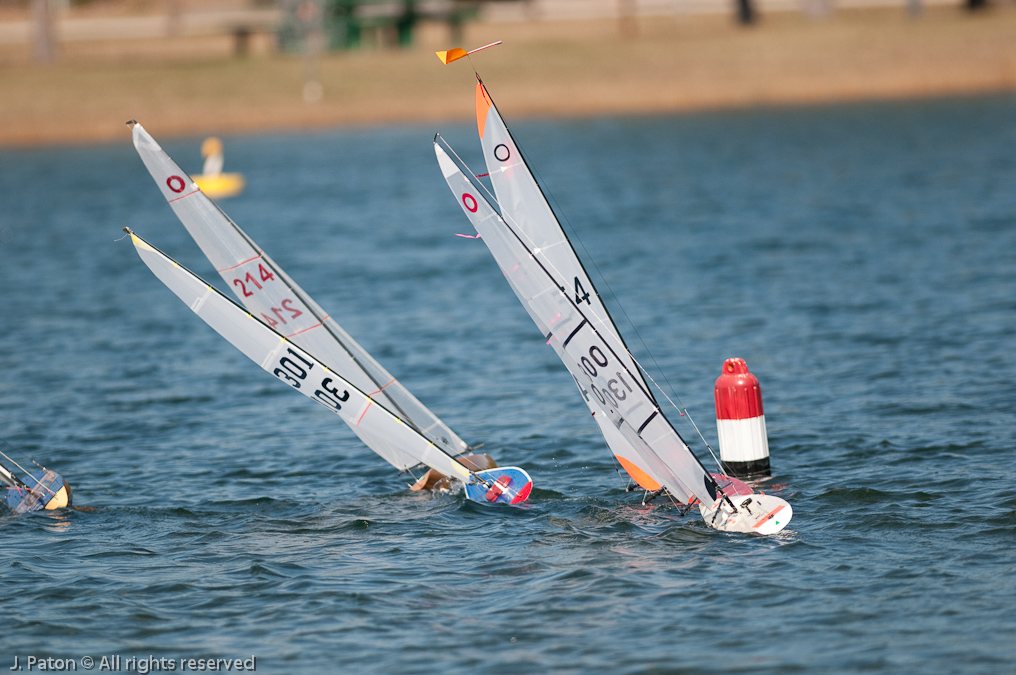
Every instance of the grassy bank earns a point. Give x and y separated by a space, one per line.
672 64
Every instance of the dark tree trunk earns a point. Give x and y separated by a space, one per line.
745 12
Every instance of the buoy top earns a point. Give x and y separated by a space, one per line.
738 395
211 146
736 366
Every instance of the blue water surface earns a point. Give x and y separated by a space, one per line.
861 258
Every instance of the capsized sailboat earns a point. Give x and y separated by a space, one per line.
310 376
273 297
38 491
543 269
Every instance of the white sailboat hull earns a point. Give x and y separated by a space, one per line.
751 514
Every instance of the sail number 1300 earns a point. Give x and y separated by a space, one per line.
612 393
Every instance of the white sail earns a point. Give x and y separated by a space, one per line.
268 292
614 391
298 368
524 205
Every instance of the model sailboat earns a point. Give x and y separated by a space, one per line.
398 427
39 490
541 266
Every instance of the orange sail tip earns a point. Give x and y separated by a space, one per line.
451 55
482 106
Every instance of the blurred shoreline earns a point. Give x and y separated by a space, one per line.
195 84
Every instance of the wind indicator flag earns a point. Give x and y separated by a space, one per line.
456 53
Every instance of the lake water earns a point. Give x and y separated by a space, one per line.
861 258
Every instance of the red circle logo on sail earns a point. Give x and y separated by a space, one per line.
469 202
176 183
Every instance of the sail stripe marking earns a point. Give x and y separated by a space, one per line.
369 404
300 332
176 199
382 388
239 264
584 321
648 420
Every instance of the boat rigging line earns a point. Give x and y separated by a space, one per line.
38 483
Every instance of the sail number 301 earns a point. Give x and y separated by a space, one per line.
294 371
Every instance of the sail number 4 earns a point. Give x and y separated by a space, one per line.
294 372
581 294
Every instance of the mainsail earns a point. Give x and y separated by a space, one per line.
541 266
524 205
612 388
304 371
269 294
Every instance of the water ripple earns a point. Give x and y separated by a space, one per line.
861 259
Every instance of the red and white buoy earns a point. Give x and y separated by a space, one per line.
740 422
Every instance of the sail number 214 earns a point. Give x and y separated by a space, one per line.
266 275
249 282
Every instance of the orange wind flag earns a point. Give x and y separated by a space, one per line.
457 53
451 55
